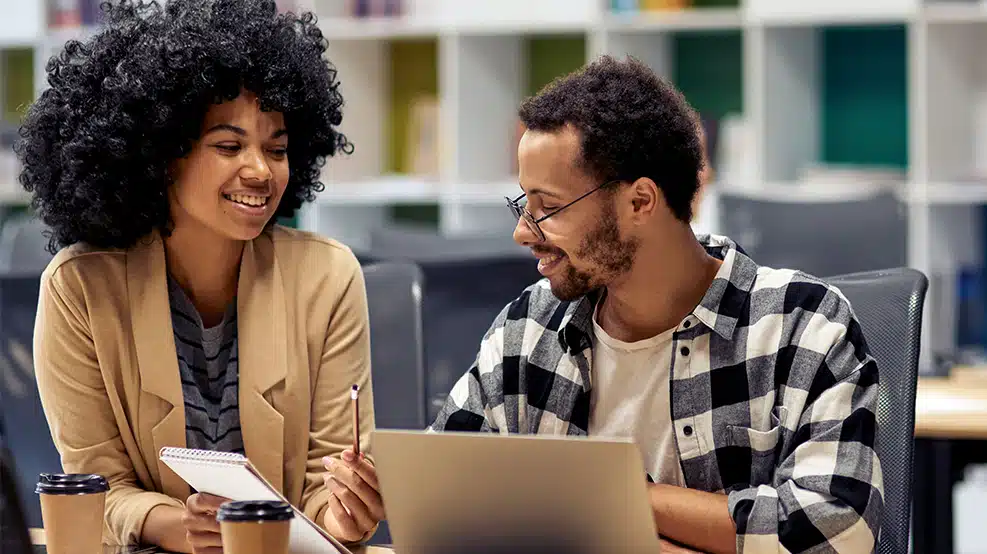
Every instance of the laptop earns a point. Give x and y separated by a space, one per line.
450 493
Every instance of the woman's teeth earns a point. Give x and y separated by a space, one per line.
246 199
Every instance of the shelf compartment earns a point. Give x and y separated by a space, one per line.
828 12
487 79
956 101
833 95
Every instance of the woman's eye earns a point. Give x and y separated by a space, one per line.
279 152
229 148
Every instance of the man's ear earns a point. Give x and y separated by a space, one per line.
645 197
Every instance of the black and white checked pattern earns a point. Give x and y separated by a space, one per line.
773 398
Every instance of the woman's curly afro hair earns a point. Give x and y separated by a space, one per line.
97 146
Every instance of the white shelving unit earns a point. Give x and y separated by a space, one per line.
482 79
481 50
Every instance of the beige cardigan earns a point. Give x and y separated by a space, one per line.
107 369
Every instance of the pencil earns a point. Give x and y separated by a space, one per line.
355 396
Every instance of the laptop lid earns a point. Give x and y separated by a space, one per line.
463 492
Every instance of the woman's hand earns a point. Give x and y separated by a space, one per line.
201 527
355 504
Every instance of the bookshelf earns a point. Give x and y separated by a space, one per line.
892 86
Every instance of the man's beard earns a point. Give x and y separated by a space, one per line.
604 249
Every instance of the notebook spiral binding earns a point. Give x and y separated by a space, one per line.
207 456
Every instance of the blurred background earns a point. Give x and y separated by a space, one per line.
844 135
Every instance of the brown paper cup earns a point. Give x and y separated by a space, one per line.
255 527
72 510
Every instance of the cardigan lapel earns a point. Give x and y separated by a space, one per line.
261 321
157 358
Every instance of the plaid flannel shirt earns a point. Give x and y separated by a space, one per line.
773 399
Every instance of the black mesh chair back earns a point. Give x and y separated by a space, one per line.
394 296
465 294
23 243
888 304
14 535
869 232
27 435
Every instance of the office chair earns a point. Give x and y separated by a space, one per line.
23 246
14 535
464 297
394 298
888 305
866 234
30 439
425 245
470 280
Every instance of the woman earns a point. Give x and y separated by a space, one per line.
176 313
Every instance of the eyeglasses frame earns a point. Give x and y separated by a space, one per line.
521 212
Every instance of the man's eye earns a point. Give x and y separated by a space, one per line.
549 208
229 148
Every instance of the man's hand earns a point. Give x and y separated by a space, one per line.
355 505
201 527
673 548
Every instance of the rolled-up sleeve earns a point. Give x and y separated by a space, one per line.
827 493
468 406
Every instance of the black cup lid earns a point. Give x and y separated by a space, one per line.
71 483
255 510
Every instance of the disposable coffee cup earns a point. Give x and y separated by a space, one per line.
72 512
255 526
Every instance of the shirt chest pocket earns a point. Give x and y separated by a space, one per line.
761 443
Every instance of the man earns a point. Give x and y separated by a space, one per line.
749 390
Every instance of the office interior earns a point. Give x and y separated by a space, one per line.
843 136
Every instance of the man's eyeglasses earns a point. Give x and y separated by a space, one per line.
521 212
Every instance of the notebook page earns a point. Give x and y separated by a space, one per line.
229 476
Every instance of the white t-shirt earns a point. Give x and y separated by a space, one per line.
631 399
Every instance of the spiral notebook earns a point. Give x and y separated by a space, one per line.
232 476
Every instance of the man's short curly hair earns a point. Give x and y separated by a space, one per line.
631 124
97 146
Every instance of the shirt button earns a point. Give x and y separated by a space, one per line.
687 430
684 350
687 324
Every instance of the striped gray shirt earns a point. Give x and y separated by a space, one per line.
207 362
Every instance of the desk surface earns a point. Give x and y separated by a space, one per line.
38 538
40 549
953 407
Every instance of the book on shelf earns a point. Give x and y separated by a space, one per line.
376 8
663 5
624 6
74 13
619 6
423 143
